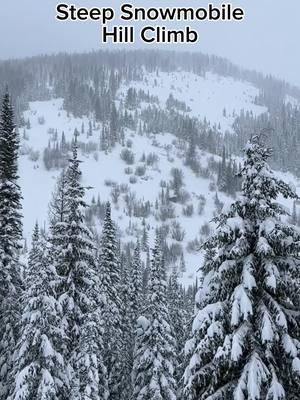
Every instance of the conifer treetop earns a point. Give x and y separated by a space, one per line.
245 335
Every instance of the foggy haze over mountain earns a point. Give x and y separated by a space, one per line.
265 40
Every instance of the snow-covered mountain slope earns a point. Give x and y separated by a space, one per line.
206 97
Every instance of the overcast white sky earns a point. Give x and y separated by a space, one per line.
267 40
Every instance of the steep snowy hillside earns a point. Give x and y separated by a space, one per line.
143 178
206 97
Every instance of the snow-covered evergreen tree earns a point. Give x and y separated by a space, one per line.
145 237
245 336
58 205
153 372
135 286
58 210
10 235
178 317
34 254
132 303
79 294
294 217
126 355
90 363
110 276
10 205
40 370
182 264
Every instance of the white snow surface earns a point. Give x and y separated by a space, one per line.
206 96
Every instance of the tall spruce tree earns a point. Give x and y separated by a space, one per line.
132 306
127 328
135 286
58 205
155 359
79 294
10 235
110 276
178 318
245 336
58 210
92 371
34 254
40 370
293 217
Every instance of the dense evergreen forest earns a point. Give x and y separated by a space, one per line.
86 320
85 315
